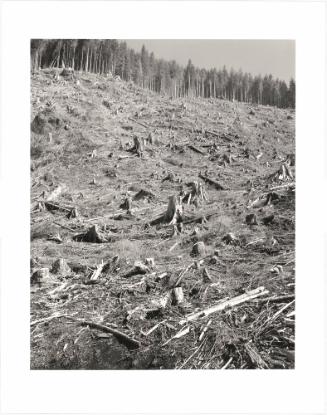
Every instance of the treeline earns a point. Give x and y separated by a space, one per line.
110 55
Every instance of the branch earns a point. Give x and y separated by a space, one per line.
229 303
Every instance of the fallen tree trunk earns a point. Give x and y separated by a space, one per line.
228 303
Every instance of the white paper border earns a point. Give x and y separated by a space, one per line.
289 391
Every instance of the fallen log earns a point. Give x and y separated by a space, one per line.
250 295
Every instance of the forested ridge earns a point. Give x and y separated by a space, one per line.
105 56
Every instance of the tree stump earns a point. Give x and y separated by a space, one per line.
138 268
138 146
92 235
127 204
206 276
198 249
39 276
177 296
60 266
230 238
174 212
251 219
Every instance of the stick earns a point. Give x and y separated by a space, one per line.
227 363
217 185
174 246
154 328
181 276
206 216
180 334
229 303
192 355
122 157
63 226
128 341
138 122
42 320
279 299
270 320
197 150
255 357
204 330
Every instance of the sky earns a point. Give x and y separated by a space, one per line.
276 57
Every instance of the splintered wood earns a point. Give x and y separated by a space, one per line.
250 295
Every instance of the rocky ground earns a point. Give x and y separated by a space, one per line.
146 210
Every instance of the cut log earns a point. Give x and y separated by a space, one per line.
250 295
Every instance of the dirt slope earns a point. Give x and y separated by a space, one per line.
82 136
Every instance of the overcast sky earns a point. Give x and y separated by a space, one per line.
255 56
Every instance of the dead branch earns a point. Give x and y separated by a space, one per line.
255 356
217 185
250 295
197 150
122 337
279 299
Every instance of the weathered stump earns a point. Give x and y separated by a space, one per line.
198 249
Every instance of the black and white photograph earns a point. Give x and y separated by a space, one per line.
162 228
162 204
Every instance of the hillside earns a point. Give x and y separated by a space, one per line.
106 157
